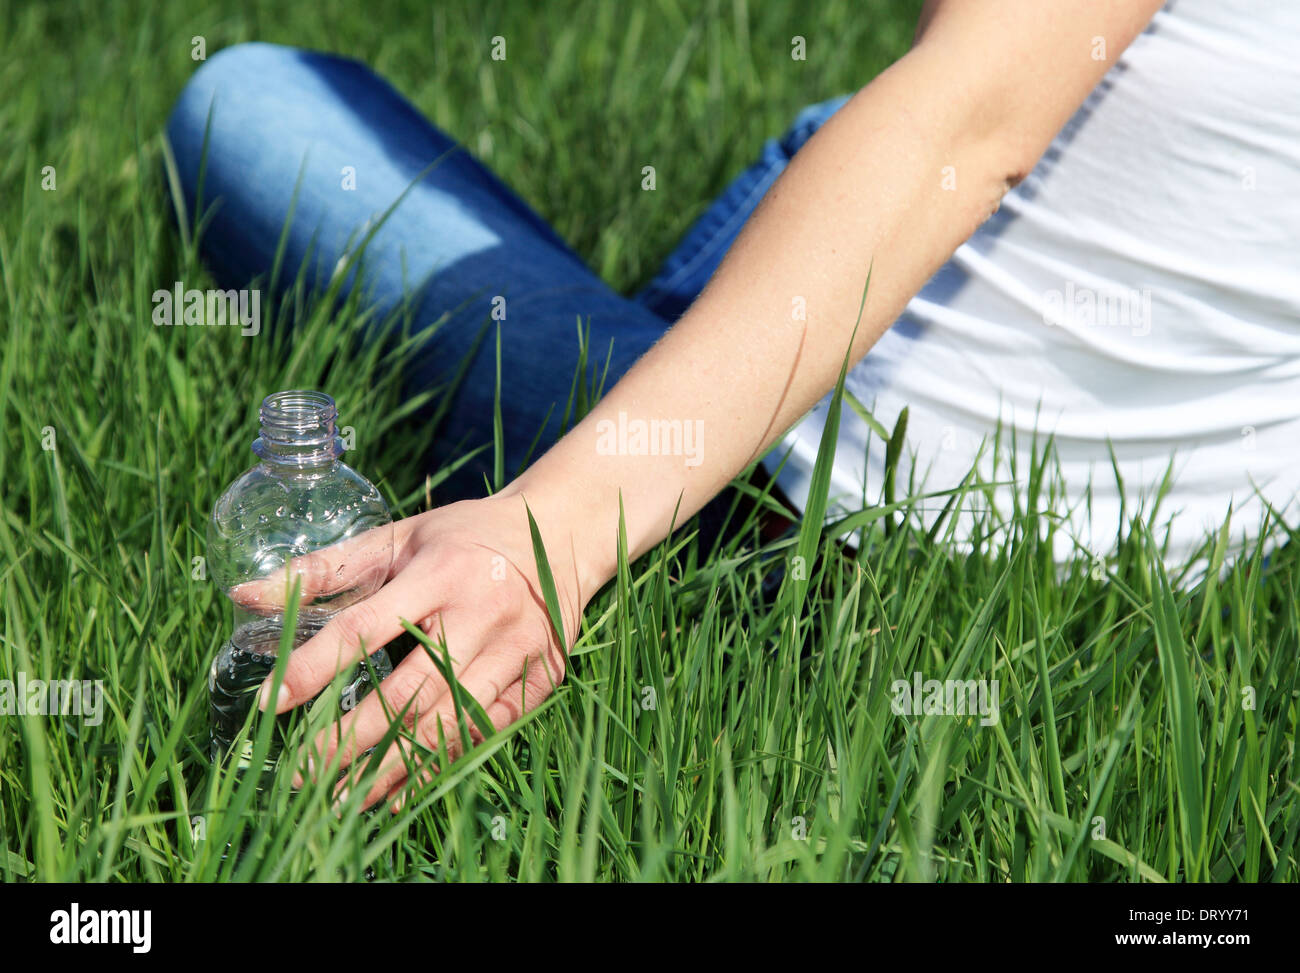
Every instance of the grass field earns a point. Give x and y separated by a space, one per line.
707 730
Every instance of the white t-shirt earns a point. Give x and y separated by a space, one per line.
1139 289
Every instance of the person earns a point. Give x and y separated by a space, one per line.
1074 218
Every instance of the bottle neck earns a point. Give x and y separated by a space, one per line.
298 432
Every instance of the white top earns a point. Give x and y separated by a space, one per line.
1140 288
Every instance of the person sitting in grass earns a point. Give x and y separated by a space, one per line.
1046 218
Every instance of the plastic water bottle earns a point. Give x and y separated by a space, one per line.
299 500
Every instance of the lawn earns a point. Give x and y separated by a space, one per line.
726 717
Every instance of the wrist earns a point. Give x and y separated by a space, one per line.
577 492
582 554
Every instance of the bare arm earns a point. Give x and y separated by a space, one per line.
984 90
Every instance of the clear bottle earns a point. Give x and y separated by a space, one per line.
298 500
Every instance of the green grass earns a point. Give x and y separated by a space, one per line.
705 732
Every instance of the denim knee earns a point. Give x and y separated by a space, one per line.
242 71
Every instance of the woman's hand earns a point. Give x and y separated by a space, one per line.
466 575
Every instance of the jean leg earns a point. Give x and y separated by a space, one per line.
276 121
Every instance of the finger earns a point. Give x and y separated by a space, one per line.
358 562
510 705
362 561
414 687
500 714
522 696
406 789
365 627
484 682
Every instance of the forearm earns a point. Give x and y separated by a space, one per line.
893 183
769 334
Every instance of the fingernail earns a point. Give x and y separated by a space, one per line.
281 699
298 779
340 799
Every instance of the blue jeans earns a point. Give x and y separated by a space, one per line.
285 120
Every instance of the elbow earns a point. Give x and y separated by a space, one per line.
1015 160
1005 162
